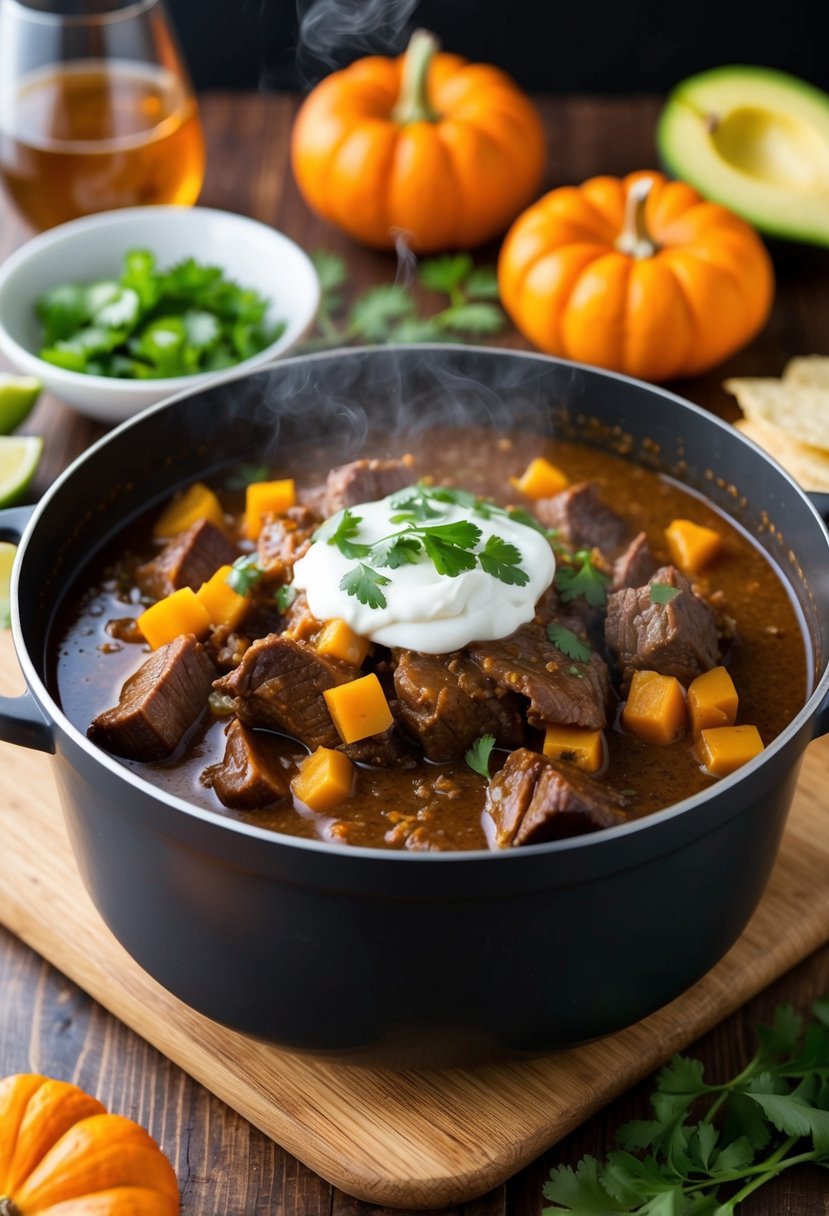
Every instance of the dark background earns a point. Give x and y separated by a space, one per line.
557 46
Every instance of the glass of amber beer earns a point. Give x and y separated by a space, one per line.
96 109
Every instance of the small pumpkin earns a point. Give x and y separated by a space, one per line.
61 1154
640 275
426 145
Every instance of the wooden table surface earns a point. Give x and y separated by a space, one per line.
48 1025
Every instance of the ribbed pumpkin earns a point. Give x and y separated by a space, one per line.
426 145
61 1154
640 275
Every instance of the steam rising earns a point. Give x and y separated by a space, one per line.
332 33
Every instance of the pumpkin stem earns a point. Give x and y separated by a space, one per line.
7 1207
634 239
413 103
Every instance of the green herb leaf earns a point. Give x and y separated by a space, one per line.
448 546
503 561
244 572
374 312
445 274
661 593
365 583
397 551
473 318
285 596
568 642
482 284
330 268
583 581
348 526
477 757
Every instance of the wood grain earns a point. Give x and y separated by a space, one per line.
401 1138
224 1164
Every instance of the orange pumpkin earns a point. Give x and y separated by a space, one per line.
639 275
427 145
61 1154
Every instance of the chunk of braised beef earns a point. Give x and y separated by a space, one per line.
634 566
226 646
445 703
583 520
676 638
532 799
386 750
158 704
559 688
283 540
298 619
361 481
188 560
251 774
279 684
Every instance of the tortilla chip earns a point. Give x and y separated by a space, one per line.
808 465
800 410
808 369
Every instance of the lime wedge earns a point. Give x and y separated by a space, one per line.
18 395
7 553
19 455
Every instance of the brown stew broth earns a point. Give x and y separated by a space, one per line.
439 806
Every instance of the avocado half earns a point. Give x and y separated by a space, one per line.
757 141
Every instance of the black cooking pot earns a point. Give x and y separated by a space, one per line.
326 947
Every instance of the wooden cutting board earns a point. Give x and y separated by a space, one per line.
396 1138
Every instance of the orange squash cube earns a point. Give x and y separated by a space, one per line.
196 502
541 479
266 498
341 642
325 779
224 605
712 700
655 709
575 744
359 708
722 749
181 612
691 545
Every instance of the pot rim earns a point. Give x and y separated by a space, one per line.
605 837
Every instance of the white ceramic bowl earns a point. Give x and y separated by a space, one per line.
84 250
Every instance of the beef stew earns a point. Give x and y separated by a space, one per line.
617 605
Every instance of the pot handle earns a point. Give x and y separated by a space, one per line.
21 721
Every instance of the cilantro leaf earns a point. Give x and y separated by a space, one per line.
330 268
365 583
396 551
580 1191
448 546
445 274
376 308
244 572
285 596
477 757
568 642
662 593
482 283
477 317
347 528
413 504
503 561
585 582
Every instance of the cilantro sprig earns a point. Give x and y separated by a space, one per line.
710 1145
579 577
450 547
244 574
150 323
477 757
662 593
389 312
569 643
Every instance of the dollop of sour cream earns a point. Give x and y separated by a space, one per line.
426 610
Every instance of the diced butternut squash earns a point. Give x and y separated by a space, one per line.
325 779
224 605
197 502
691 545
181 612
584 748
722 749
655 709
266 498
712 700
359 708
341 642
541 479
